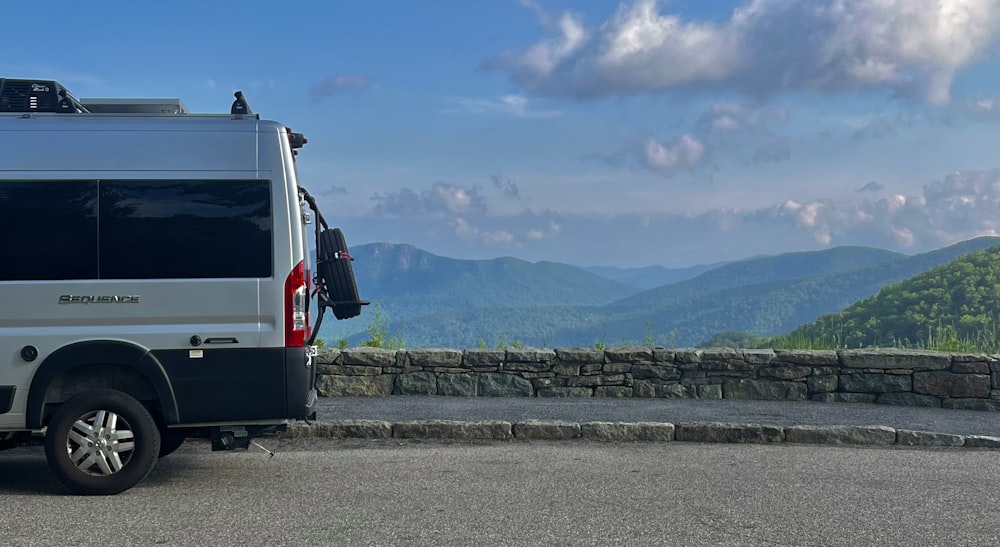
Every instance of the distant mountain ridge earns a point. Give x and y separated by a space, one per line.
778 268
408 282
649 277
388 270
434 301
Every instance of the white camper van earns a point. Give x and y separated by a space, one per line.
155 280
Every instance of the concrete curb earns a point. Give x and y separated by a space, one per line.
709 432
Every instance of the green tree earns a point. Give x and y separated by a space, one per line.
378 331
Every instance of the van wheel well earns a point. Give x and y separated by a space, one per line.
90 377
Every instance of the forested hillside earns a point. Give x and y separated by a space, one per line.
956 303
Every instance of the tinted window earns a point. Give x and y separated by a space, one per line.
185 229
48 230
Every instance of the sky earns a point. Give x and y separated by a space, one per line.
631 133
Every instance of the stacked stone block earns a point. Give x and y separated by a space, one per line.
887 376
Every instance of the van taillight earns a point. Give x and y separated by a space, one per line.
296 307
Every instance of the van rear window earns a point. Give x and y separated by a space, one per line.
142 229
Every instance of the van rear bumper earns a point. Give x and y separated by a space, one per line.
300 383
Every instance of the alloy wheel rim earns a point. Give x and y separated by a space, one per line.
100 443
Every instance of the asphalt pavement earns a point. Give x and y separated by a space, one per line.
382 493
779 413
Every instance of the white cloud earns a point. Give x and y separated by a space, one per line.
685 153
463 229
910 47
514 105
958 207
979 109
727 117
498 237
961 206
441 198
455 198
544 57
904 237
744 129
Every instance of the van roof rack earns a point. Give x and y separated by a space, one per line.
37 96
134 106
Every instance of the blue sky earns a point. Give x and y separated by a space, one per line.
589 132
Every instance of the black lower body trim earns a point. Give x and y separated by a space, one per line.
237 385
7 398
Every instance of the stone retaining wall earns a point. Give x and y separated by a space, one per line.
888 376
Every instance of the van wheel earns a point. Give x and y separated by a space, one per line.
101 442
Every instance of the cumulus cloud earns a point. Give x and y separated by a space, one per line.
441 198
514 105
978 109
728 117
960 206
910 47
507 186
746 129
337 84
957 207
870 187
683 154
467 231
667 157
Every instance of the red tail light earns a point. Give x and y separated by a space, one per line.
296 307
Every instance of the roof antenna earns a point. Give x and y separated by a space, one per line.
240 106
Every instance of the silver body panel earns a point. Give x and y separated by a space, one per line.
169 311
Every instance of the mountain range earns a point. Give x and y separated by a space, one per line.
433 301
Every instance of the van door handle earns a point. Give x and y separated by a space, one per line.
226 340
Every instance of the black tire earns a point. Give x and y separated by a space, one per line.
338 274
122 442
170 441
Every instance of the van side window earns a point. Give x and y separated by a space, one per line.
151 229
173 229
48 230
